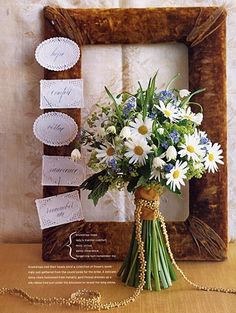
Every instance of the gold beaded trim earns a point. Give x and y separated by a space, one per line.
149 209
91 300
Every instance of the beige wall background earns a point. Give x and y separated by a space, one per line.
21 27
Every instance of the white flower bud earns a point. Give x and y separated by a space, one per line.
171 153
153 146
158 162
184 93
160 131
198 118
101 132
76 155
111 130
125 132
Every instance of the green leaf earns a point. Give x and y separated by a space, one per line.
191 95
144 105
98 192
142 180
152 89
147 100
172 80
111 96
153 85
132 184
117 108
93 181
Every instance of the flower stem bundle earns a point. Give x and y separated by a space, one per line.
159 270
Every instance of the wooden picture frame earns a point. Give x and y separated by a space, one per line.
203 30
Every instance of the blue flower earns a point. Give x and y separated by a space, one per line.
125 111
113 164
204 140
164 95
151 115
174 136
165 145
129 105
168 168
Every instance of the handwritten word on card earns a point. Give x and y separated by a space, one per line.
64 93
55 129
61 171
59 210
57 53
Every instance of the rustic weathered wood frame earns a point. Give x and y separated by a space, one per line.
208 196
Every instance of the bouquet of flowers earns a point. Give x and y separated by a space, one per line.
146 142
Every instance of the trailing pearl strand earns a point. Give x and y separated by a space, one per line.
91 300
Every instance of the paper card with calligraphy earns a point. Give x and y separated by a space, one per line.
59 210
61 94
61 171
55 129
57 53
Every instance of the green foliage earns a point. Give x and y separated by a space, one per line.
194 171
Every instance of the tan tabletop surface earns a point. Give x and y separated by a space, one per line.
17 259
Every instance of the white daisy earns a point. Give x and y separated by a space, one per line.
191 148
156 174
213 157
138 150
105 153
170 111
177 175
187 114
203 140
140 127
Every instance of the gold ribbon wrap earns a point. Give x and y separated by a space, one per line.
150 201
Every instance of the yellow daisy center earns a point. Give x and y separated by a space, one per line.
167 113
110 151
211 157
143 130
176 174
190 149
138 150
188 117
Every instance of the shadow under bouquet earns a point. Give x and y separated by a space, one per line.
146 142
